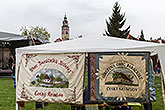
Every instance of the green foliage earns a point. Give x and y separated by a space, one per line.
115 75
58 78
115 24
51 77
142 36
36 32
41 76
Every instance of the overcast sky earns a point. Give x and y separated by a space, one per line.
86 17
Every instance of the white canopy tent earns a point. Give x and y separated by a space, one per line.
4 36
92 44
95 44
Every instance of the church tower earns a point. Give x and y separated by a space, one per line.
65 29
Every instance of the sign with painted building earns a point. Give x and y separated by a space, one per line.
119 77
51 78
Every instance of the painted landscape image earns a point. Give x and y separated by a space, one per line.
51 78
121 76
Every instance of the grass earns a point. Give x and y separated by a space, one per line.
51 106
7 97
7 94
158 105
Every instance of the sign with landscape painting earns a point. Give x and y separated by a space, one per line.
121 77
51 78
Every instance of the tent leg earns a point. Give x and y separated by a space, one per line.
163 88
17 106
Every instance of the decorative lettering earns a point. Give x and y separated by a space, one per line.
122 64
36 93
51 60
48 94
33 68
121 89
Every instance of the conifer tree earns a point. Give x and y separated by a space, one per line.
115 24
142 36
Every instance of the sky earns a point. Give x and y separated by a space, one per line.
85 17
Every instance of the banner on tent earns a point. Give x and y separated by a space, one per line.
120 77
51 78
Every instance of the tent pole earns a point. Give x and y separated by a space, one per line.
17 106
163 88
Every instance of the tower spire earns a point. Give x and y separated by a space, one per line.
65 17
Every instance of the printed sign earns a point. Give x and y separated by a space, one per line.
51 78
121 77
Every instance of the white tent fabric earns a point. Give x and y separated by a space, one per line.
96 44
90 44
4 36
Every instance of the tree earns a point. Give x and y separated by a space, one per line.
52 78
58 78
41 76
115 24
142 36
37 32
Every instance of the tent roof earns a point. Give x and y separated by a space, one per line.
96 44
4 36
90 44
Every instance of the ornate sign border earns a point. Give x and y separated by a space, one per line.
93 64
